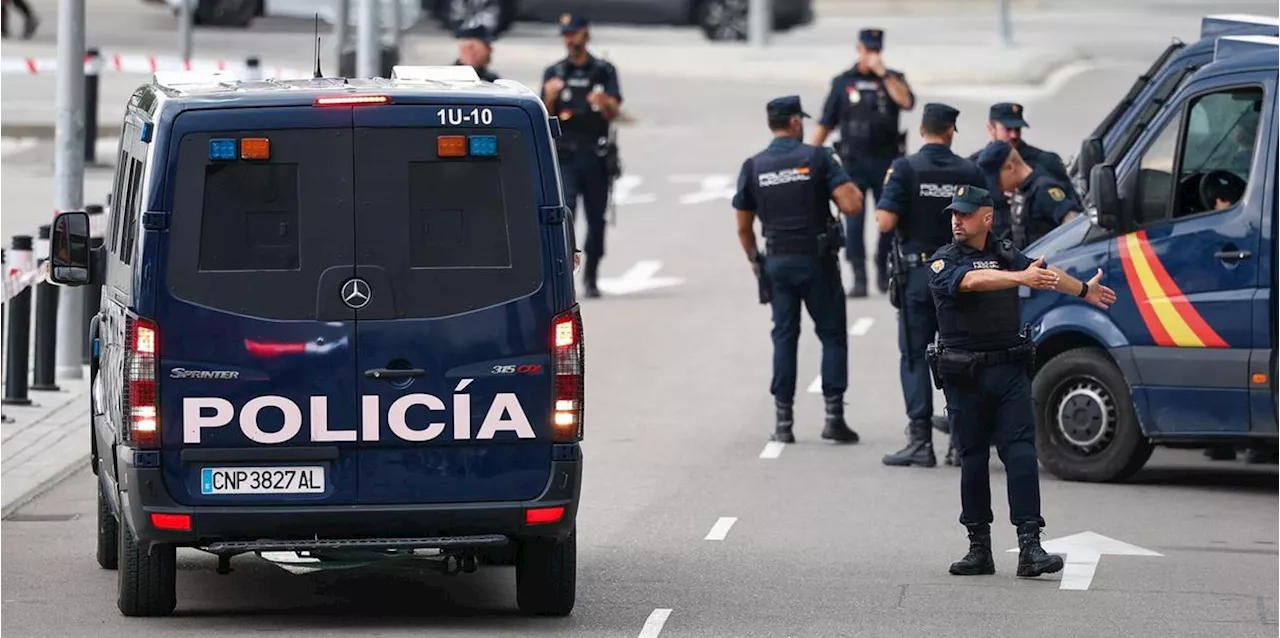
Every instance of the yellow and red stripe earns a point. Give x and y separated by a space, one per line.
1172 320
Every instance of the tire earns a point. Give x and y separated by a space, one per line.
722 20
1099 439
495 15
147 582
108 533
546 576
226 13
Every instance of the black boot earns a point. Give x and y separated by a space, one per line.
1032 559
951 454
859 288
589 272
919 449
782 431
978 560
836 429
882 279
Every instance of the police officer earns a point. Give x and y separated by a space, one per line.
983 363
864 104
583 91
475 49
1005 122
788 186
1041 200
916 190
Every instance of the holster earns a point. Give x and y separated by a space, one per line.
612 159
832 241
764 283
931 356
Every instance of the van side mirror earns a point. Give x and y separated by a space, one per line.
1105 195
69 253
1091 154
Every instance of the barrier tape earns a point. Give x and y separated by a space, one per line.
19 280
147 64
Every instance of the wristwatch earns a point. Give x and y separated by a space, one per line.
1084 290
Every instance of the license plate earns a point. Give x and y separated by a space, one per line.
305 479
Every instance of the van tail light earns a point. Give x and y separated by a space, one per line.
142 409
567 358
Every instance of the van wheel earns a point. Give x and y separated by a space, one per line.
147 583
722 20
546 576
108 533
1086 426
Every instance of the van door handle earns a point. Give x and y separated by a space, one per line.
388 373
1232 255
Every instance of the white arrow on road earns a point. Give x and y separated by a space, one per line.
624 191
1083 551
639 277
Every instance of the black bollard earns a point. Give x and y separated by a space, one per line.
253 68
46 325
18 351
92 292
92 71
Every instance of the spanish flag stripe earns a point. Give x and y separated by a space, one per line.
1174 325
1204 332
1158 333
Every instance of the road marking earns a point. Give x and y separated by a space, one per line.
624 191
816 386
653 626
1083 551
772 450
861 326
638 278
710 187
721 529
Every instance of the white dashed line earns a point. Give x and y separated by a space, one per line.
816 386
861 326
772 450
721 529
653 626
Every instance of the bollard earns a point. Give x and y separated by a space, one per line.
46 319
4 261
92 71
18 350
252 68
92 292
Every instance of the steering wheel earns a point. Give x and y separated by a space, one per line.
1218 179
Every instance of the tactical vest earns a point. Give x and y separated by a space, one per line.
869 119
1027 228
926 227
586 125
981 320
790 193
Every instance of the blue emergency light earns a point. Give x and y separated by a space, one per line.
223 149
482 145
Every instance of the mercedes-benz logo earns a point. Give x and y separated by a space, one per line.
356 293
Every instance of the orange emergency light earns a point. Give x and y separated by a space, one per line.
255 148
451 146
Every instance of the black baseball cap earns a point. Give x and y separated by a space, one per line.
1008 114
572 22
993 155
940 113
872 38
968 199
477 32
785 106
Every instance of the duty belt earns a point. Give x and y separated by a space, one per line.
812 245
993 357
915 259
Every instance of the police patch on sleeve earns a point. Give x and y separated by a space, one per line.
887 175
936 266
835 157
1057 194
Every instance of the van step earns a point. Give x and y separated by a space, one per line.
438 542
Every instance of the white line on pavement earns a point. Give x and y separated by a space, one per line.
861 326
816 386
653 626
772 450
721 529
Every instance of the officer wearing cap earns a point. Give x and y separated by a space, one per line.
475 49
864 104
982 361
583 92
916 190
1041 200
788 187
1005 122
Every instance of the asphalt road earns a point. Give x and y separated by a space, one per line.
825 540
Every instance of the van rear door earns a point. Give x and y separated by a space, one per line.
454 345
257 350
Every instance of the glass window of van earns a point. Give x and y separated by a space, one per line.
1155 174
1216 155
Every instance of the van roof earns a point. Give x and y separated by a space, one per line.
1213 25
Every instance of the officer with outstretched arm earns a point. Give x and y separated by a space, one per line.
788 186
983 362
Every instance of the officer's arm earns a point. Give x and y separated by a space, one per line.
549 96
846 194
893 197
744 204
830 115
611 103
896 84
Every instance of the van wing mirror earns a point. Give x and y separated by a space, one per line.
1091 154
69 252
1105 196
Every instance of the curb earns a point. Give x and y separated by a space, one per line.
61 469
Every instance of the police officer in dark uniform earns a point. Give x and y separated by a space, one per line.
788 186
864 105
475 49
916 190
1041 199
583 91
1005 122
983 364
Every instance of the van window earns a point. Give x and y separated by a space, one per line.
1155 174
1216 155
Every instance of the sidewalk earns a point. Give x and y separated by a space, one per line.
45 442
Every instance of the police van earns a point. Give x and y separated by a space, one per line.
1185 234
338 324
1118 131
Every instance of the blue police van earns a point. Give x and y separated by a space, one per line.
338 323
1117 132
1184 231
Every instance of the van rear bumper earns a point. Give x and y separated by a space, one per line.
451 525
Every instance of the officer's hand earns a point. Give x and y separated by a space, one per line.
1099 295
1038 277
552 87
